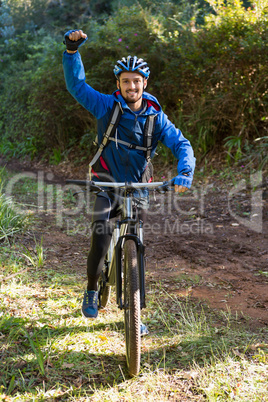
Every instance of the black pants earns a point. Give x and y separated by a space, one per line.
100 241
104 210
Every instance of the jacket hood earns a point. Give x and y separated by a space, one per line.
153 105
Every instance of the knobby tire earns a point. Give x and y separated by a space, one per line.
104 289
105 296
132 307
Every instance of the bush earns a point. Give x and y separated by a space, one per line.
217 76
44 115
212 79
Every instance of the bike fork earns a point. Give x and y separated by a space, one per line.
119 268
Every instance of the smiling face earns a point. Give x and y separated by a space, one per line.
132 86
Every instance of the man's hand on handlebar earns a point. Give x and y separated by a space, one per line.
180 189
158 186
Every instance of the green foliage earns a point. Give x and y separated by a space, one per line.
208 64
11 222
35 259
37 352
56 157
231 143
223 71
43 114
34 15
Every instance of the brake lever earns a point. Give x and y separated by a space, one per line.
165 187
94 188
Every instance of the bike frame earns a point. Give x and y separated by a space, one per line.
125 234
124 231
128 227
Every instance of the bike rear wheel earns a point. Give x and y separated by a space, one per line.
132 307
105 296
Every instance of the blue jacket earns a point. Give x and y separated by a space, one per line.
124 163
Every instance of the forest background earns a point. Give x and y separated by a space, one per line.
208 61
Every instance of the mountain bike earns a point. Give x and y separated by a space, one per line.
124 265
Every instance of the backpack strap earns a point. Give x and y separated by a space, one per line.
115 116
128 144
148 135
147 138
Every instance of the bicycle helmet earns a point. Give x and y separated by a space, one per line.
131 64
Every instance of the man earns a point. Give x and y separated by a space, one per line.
123 157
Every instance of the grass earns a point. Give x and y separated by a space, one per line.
36 258
11 222
49 352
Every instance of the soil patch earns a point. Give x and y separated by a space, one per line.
209 244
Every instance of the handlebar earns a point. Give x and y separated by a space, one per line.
97 186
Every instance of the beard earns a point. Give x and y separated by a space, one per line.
130 99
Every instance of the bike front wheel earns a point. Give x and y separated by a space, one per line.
132 307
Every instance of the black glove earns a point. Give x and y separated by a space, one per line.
72 44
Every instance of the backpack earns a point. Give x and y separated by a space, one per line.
98 164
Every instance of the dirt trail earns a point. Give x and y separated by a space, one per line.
209 245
